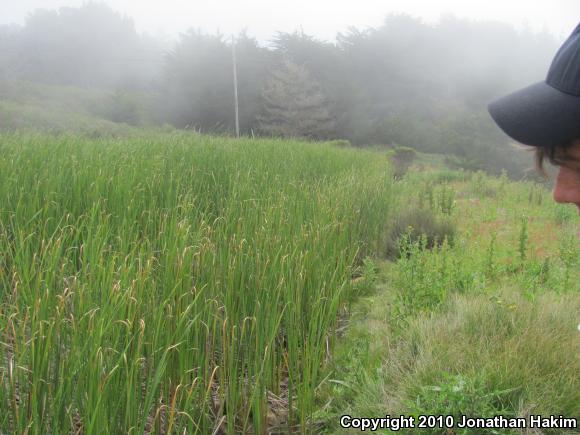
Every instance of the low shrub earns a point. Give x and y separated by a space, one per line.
410 224
402 159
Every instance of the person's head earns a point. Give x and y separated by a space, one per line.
567 158
546 115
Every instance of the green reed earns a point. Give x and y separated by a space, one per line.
175 282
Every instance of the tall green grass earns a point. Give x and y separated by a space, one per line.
175 283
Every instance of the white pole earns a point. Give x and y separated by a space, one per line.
235 87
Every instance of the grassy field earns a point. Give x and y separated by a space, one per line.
483 324
176 283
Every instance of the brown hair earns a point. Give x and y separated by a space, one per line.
555 154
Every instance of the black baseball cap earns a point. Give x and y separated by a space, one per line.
545 113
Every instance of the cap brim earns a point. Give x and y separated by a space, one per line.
538 115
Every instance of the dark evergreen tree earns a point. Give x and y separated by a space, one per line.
295 105
327 65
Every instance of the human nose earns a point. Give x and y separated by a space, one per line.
567 187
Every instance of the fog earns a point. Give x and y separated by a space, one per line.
322 19
372 73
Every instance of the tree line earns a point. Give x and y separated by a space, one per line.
404 82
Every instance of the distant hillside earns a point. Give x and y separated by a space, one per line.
28 105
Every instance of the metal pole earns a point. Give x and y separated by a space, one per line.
235 87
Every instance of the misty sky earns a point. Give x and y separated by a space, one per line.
321 18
